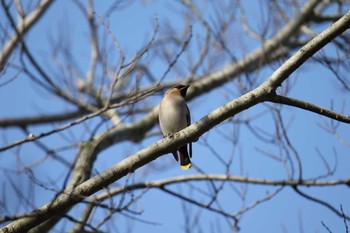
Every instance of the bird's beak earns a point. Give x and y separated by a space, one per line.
185 87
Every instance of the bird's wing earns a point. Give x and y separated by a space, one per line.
188 118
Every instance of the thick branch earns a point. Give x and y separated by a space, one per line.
308 50
26 121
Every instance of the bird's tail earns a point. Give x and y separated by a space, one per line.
184 158
176 156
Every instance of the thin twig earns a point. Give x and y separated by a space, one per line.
323 203
183 48
325 226
344 218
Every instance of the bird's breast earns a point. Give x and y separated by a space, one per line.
172 115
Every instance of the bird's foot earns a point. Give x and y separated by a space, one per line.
169 135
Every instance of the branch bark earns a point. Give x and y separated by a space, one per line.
43 119
310 107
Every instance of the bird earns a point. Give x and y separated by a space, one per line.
174 116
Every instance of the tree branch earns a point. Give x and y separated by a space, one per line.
323 203
310 107
219 177
23 27
43 119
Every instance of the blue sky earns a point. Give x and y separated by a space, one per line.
133 26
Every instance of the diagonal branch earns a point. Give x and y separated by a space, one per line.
22 28
310 107
200 204
321 202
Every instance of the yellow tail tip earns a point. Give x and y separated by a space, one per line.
187 166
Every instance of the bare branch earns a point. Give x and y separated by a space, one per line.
344 218
321 202
205 47
221 177
32 137
21 29
94 44
43 119
310 107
